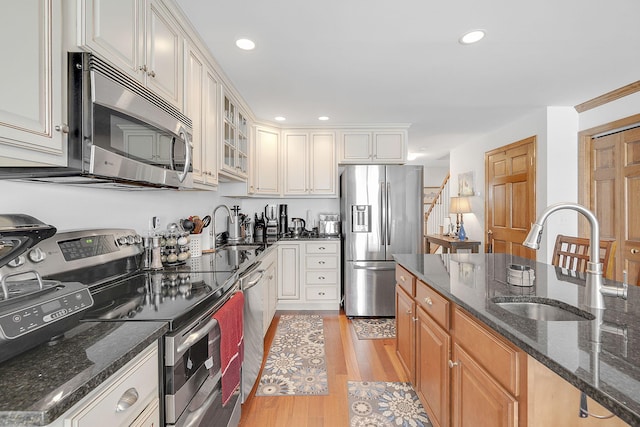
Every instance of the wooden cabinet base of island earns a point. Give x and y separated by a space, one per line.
466 374
553 401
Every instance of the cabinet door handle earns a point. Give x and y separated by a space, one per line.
321 248
634 251
453 364
415 319
62 128
402 278
409 311
151 73
127 400
428 301
143 68
321 277
321 262
320 293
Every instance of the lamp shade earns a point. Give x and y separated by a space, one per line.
459 205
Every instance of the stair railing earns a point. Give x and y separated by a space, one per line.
438 210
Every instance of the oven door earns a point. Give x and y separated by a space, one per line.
192 356
206 408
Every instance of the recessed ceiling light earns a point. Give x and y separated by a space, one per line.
245 44
472 36
323 118
280 118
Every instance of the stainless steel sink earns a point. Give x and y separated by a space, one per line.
543 309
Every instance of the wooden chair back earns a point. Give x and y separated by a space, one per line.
573 253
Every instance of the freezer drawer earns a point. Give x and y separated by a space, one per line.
369 289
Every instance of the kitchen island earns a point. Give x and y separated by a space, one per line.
602 360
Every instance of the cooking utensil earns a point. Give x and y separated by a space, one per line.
19 233
198 225
187 225
206 221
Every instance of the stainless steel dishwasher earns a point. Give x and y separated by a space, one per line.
252 284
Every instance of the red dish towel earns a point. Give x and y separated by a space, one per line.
229 317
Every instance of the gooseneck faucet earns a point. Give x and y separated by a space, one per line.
596 289
213 222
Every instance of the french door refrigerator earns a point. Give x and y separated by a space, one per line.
381 208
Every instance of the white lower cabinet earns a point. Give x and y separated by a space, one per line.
128 398
309 275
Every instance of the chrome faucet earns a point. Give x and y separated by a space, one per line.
213 222
596 289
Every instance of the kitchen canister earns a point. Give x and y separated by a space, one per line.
195 245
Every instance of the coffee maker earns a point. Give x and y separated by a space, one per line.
283 222
271 221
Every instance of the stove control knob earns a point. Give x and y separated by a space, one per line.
131 240
16 262
122 240
137 239
37 255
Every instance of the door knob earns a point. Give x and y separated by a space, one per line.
634 251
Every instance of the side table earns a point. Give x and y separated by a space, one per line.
450 244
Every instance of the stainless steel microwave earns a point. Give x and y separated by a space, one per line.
120 133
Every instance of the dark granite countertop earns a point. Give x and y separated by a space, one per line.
610 376
41 384
308 238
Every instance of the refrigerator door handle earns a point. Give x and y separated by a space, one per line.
388 214
383 215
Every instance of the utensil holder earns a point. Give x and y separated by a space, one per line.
195 245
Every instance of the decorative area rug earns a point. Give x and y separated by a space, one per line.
296 364
385 404
374 328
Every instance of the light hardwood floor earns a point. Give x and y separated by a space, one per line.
348 359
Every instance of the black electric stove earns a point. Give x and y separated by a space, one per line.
171 296
108 262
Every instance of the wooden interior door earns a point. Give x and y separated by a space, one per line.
614 196
511 198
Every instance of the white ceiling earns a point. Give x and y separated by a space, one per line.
399 61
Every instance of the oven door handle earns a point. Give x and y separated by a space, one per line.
196 336
194 417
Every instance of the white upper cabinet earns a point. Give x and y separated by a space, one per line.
31 84
201 105
265 162
310 167
234 155
139 37
373 146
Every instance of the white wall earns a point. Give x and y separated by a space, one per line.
76 207
469 157
556 130
73 207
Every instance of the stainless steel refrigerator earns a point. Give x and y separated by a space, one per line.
381 209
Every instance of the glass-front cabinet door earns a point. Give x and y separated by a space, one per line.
234 159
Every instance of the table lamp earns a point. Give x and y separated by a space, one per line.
459 206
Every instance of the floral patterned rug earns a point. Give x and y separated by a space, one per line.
374 328
385 404
296 363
